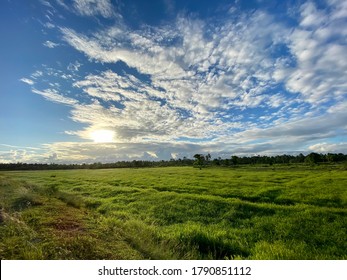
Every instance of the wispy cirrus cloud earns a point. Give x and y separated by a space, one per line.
50 44
94 7
54 96
74 66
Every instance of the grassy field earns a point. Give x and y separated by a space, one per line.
282 212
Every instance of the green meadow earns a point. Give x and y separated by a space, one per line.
248 212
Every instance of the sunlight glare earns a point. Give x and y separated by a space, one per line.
102 136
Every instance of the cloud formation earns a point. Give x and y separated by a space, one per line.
50 44
318 46
94 7
249 83
27 81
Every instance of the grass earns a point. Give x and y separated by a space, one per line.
281 212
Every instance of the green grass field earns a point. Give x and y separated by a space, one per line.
282 212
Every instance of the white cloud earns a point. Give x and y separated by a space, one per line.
290 135
37 74
318 46
196 73
18 147
311 16
74 66
110 152
248 84
152 154
50 44
54 96
61 3
14 154
46 3
207 72
329 148
94 8
49 25
27 81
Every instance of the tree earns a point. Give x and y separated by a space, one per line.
313 158
234 160
199 160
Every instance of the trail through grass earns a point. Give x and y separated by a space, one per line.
175 213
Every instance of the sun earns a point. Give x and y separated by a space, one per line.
102 136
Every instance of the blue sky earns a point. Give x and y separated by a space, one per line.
88 80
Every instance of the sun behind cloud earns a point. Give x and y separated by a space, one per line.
102 136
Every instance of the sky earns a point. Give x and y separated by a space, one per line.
110 80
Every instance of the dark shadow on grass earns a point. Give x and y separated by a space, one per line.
212 247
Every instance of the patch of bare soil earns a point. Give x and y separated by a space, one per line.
67 225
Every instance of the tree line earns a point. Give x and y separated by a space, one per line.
311 158
198 160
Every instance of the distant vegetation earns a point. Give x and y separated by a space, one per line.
295 211
199 160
